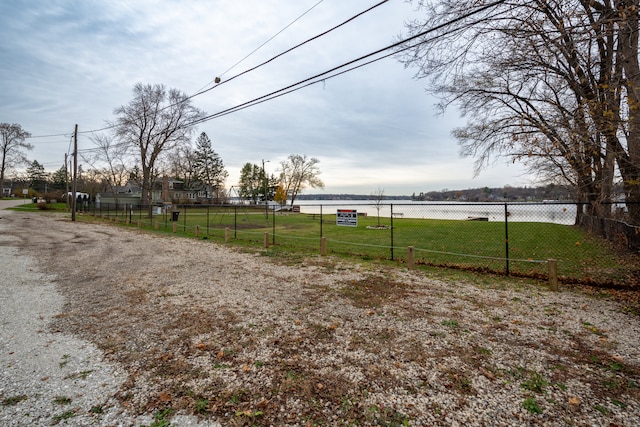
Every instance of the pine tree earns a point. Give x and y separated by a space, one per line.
209 171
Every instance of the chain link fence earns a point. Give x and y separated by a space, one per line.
507 238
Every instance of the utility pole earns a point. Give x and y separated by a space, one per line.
75 173
266 189
66 179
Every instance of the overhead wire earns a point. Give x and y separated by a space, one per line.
317 78
263 44
200 91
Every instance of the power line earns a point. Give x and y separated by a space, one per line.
324 33
323 76
263 44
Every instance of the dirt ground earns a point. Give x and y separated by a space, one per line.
249 339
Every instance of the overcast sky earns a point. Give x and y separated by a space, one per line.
65 62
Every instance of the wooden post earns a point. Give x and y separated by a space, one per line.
553 274
156 225
323 246
227 234
139 223
410 258
175 227
197 231
266 239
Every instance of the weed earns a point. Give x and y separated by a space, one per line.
451 323
536 383
531 405
65 360
619 403
62 400
64 416
98 409
13 400
82 375
202 406
258 363
482 350
160 420
601 409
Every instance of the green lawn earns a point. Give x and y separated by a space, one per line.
469 244
479 245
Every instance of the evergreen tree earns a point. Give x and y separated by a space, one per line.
59 179
37 175
209 170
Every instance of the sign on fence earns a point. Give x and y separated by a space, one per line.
347 217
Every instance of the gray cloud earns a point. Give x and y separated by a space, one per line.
68 62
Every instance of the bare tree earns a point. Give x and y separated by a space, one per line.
12 144
154 122
297 173
546 82
109 162
377 197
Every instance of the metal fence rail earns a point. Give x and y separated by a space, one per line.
508 238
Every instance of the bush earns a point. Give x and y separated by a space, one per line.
43 206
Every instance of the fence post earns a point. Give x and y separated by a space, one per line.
553 274
410 258
139 223
391 222
323 246
266 239
156 225
175 226
506 236
197 231
227 232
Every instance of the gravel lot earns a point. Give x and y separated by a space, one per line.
106 326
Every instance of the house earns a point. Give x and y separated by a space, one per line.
164 191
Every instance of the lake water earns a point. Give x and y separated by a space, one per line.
559 213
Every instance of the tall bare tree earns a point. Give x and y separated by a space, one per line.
553 83
110 162
12 144
299 172
154 122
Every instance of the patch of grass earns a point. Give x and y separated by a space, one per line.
535 383
13 400
202 406
97 409
531 405
601 409
65 361
64 416
62 400
160 418
82 375
450 323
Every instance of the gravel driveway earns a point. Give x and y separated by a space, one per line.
102 325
